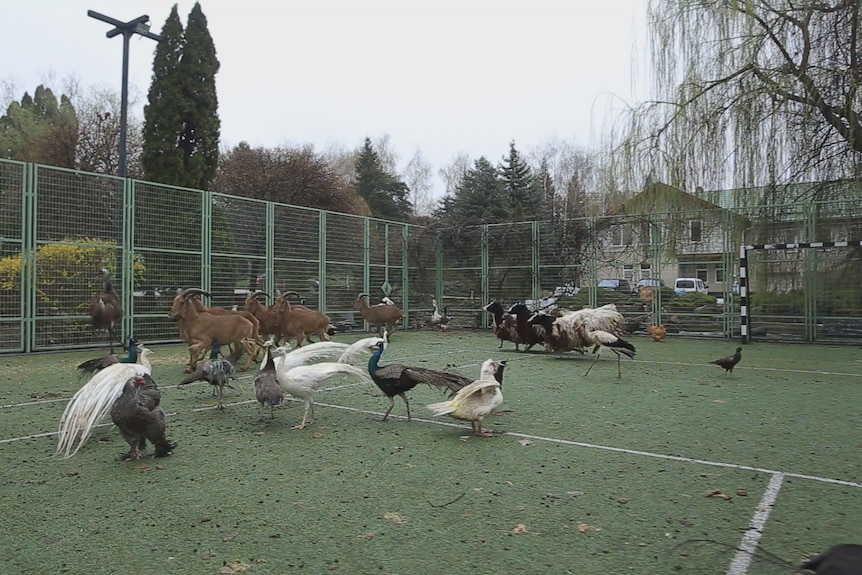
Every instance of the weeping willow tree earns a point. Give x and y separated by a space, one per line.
753 95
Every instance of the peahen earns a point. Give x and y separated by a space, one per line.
138 415
478 400
216 370
397 379
266 388
94 365
105 309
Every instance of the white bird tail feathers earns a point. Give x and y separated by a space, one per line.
361 348
94 401
312 377
286 359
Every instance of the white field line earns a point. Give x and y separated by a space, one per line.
748 545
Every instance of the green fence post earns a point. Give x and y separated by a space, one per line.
321 261
127 263
405 275
206 241
28 260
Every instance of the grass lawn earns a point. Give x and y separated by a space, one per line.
589 475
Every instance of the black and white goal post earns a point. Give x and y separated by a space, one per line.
744 303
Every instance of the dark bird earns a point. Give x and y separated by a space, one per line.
729 362
216 370
94 365
478 400
844 559
503 324
266 388
105 309
525 332
396 379
140 418
603 340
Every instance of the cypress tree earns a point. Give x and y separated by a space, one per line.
201 127
162 158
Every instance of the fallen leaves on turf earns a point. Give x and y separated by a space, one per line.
519 528
718 493
394 518
234 567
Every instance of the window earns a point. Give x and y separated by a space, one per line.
695 228
702 273
646 271
621 235
628 272
719 274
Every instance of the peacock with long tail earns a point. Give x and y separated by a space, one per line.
478 400
217 371
138 415
396 379
94 400
303 381
91 366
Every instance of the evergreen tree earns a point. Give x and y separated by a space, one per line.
200 129
162 158
524 195
40 130
481 197
181 124
386 195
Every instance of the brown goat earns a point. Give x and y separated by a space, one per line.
268 317
298 320
201 328
378 315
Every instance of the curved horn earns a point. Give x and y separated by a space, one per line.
291 293
187 293
362 295
258 293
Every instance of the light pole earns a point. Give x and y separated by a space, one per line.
136 26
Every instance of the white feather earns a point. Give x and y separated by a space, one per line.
94 400
302 381
322 350
360 349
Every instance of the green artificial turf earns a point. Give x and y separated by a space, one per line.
352 495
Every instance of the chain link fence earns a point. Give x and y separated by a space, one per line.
59 228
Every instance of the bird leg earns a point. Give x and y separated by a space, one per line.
598 355
309 407
407 403
391 405
477 429
619 369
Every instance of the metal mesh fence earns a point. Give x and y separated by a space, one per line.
59 228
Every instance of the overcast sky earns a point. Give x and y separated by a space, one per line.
443 76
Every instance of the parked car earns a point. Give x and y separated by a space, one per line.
686 285
647 283
619 285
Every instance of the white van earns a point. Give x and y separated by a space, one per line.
685 285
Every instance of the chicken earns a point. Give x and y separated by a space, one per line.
140 418
94 400
656 332
729 362
477 400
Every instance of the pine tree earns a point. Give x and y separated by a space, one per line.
386 195
162 158
525 197
481 197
